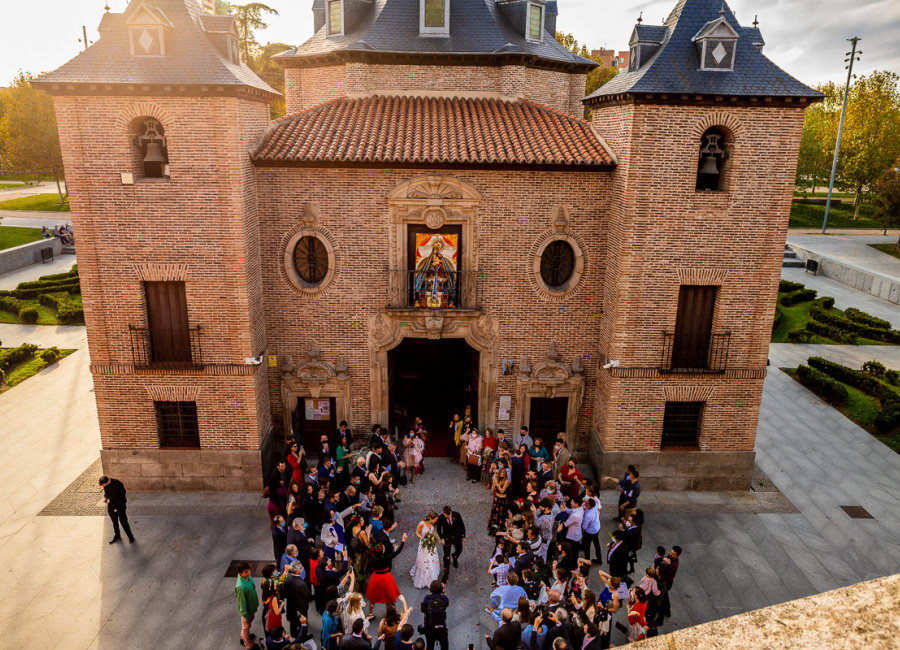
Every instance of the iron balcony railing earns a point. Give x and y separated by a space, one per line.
695 352
434 289
166 348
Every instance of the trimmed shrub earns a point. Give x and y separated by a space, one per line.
874 367
862 317
892 377
786 286
826 302
69 286
69 313
889 416
12 305
821 384
834 333
817 313
50 355
29 315
53 300
9 358
57 276
800 336
800 295
779 319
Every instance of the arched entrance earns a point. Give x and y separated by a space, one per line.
433 380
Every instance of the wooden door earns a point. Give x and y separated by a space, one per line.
167 320
693 326
548 418
317 417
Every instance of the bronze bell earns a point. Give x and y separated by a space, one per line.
155 153
710 165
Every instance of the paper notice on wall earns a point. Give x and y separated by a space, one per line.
505 407
317 409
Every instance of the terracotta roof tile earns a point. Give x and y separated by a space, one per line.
433 130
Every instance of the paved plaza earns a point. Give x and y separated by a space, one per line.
70 589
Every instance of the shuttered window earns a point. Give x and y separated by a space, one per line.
177 424
693 326
167 320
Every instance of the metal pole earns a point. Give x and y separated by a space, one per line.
837 146
84 31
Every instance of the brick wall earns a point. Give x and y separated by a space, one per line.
308 87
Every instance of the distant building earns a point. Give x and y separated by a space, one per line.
610 59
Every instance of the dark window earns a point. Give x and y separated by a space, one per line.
693 327
712 158
681 424
176 423
167 320
311 260
557 264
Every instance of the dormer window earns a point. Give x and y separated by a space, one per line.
716 45
147 30
535 27
434 17
335 17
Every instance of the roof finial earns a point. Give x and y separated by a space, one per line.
641 18
756 20
722 10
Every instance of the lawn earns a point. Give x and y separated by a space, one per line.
11 236
28 368
46 315
824 195
806 215
861 409
26 177
42 202
890 249
797 316
6 186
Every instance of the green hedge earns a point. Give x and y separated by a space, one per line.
817 313
69 313
69 286
58 276
889 416
50 355
12 305
786 286
779 319
9 358
800 295
821 384
830 331
53 300
862 317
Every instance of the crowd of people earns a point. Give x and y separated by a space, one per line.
63 232
332 520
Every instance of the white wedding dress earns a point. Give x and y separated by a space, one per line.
427 568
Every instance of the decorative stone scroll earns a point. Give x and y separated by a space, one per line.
315 378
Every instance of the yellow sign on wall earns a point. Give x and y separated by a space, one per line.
273 360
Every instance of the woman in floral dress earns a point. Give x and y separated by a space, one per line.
500 486
415 452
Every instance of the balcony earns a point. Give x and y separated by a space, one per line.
161 348
695 352
433 290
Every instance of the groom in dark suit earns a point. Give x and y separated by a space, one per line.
452 533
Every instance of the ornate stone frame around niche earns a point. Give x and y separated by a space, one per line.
434 201
481 332
560 230
550 378
315 378
309 228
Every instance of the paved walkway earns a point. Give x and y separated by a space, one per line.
854 251
44 187
59 264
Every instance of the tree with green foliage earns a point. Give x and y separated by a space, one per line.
820 126
28 136
247 19
871 140
262 63
887 199
596 77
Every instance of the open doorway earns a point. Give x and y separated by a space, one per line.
433 380
311 419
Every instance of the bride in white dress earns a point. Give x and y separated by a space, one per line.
427 568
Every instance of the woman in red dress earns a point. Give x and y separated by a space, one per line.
296 459
382 587
571 480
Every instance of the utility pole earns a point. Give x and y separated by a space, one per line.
854 56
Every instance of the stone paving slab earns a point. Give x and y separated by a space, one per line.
59 264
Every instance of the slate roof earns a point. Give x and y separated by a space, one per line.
405 130
476 27
675 67
651 33
190 58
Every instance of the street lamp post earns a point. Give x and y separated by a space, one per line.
854 56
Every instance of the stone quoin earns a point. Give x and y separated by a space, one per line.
432 208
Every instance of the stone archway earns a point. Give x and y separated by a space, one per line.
316 378
386 331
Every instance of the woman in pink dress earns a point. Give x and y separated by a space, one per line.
473 462
413 455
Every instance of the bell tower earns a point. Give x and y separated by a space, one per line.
707 131
155 121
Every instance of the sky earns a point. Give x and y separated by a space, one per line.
805 37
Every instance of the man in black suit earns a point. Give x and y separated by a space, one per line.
617 556
545 475
507 635
297 597
451 532
114 495
559 629
524 559
279 537
357 640
297 537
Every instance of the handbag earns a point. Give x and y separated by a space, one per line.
474 459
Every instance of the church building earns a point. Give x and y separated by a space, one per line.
433 229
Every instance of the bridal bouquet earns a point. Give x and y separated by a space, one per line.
430 542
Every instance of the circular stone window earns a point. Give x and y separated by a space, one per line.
309 261
557 265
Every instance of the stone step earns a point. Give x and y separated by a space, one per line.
790 255
68 250
793 264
